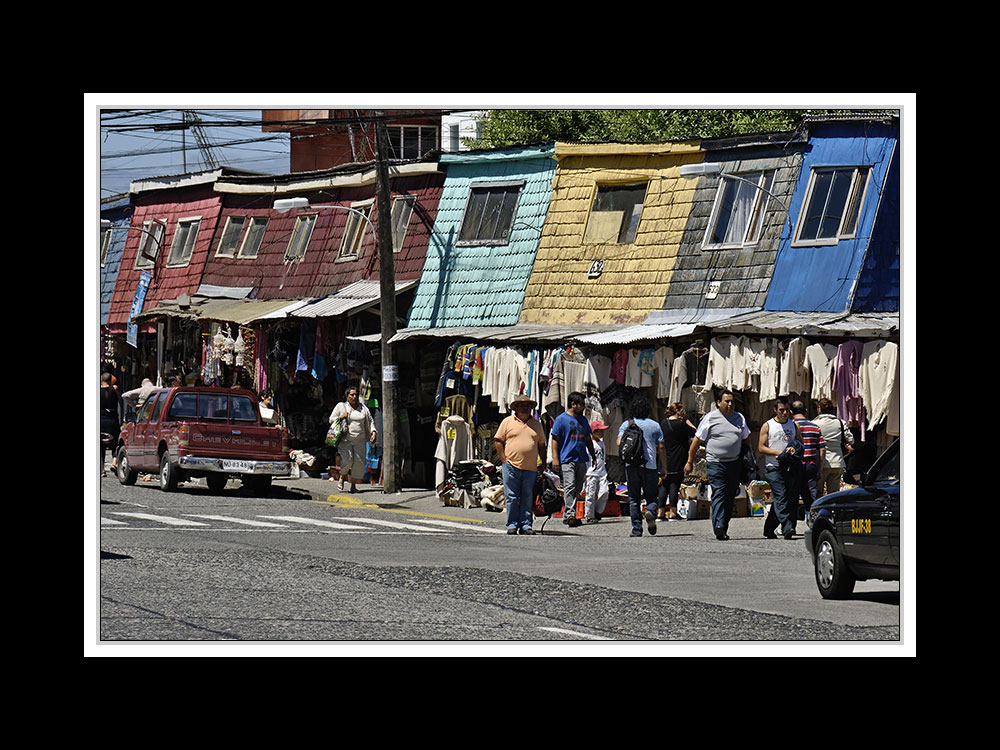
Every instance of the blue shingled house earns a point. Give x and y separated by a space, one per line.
118 210
483 243
843 250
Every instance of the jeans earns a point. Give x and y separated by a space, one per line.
642 483
784 500
573 477
807 486
724 478
519 492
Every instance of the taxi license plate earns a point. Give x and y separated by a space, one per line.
244 466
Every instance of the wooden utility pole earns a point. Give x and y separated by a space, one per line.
392 466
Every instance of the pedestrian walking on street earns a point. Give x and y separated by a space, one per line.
520 443
814 454
359 430
572 452
839 444
643 479
722 431
137 396
110 419
677 434
596 487
777 436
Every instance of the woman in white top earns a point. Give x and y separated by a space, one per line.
360 428
775 436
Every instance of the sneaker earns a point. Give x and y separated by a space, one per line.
789 534
770 535
528 531
651 522
592 520
511 531
636 533
721 535
572 522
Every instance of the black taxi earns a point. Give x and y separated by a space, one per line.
853 535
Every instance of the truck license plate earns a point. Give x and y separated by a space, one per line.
244 466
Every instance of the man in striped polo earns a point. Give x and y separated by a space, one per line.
813 456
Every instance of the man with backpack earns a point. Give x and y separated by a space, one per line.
640 465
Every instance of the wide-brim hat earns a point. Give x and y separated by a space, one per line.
522 399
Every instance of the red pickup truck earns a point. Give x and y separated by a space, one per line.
216 433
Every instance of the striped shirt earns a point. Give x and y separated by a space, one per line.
812 440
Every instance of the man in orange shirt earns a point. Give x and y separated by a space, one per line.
520 442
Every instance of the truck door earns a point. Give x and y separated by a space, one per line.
138 454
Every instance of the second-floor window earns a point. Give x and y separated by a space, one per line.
230 236
185 235
301 235
832 205
253 237
615 215
354 230
738 212
489 213
402 207
149 243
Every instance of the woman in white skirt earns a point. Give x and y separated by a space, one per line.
359 430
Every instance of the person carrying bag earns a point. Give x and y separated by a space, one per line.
356 429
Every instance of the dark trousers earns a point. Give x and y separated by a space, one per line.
642 484
724 478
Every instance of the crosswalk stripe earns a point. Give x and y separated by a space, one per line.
315 522
577 634
390 524
160 519
112 522
463 526
244 521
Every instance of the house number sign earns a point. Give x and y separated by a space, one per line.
596 268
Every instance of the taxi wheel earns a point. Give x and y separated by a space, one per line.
833 578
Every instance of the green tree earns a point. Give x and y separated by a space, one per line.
510 127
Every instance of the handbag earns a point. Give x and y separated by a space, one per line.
335 433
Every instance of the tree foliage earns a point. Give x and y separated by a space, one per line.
509 127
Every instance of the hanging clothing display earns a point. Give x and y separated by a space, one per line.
454 445
878 384
794 374
850 405
819 359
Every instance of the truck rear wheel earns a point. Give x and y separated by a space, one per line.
169 475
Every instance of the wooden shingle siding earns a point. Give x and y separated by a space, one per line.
635 275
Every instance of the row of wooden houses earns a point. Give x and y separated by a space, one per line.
596 244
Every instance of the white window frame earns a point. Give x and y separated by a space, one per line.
248 233
399 233
854 199
755 222
397 139
504 237
105 244
230 250
186 244
300 237
629 224
354 231
158 229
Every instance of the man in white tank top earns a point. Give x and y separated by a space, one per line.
776 437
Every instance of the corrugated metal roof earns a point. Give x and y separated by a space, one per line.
354 297
875 325
240 311
523 332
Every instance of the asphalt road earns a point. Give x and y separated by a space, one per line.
310 565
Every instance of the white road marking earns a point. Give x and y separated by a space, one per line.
463 526
246 522
578 635
160 519
315 522
112 522
390 524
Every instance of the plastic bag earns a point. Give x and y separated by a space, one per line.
335 433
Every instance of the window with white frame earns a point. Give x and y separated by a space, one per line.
253 237
185 235
489 213
411 141
354 231
402 207
738 213
615 215
301 235
149 243
105 244
230 237
832 205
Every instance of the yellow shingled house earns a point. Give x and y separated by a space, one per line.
612 232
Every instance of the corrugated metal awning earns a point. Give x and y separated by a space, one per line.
350 299
241 311
867 325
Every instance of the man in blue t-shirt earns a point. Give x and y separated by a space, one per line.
643 480
571 444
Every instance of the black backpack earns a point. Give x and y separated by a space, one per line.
632 449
